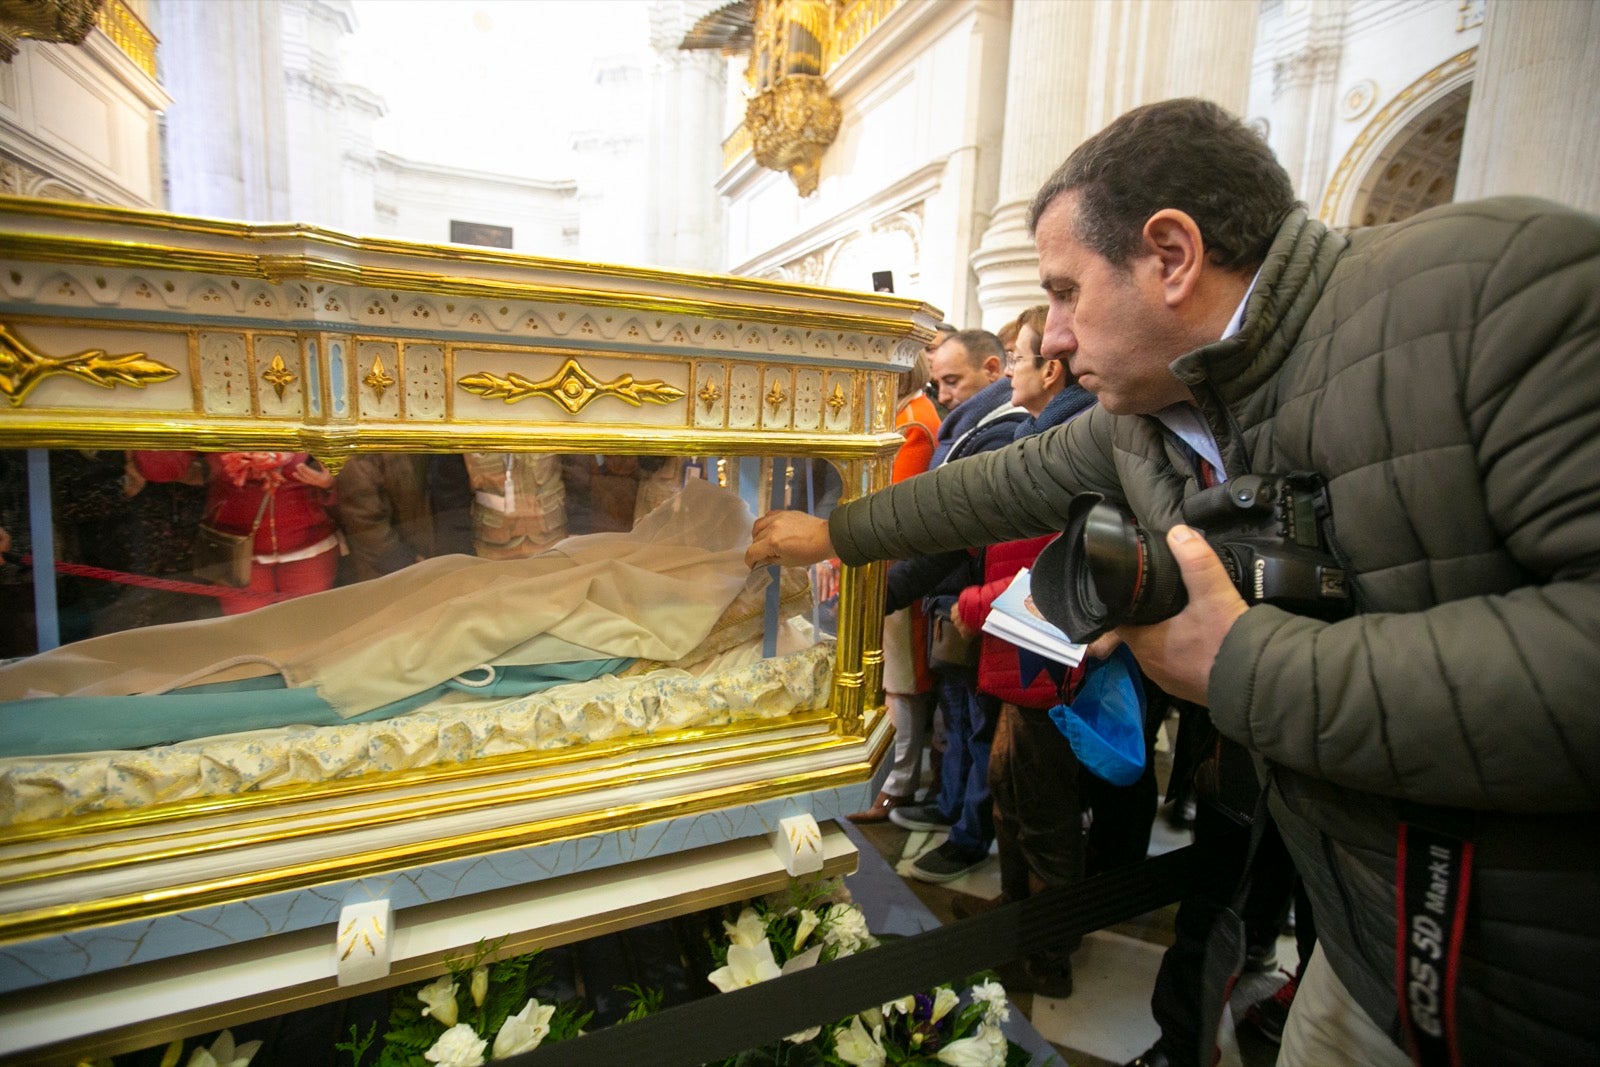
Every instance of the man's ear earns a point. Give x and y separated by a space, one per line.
993 368
1173 237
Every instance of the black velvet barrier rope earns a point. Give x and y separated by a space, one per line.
726 1024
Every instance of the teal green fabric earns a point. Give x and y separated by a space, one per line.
56 725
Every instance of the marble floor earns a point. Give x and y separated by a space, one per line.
1106 1020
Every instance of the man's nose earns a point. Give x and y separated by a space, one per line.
1058 342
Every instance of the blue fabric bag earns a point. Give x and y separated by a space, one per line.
1105 725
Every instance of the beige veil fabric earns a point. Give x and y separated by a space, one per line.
653 593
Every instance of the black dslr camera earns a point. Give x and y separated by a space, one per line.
1105 570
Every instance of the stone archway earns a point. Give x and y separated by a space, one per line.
1406 158
1416 170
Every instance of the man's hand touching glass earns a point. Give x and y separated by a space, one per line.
788 539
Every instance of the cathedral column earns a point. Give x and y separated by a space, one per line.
1305 71
688 98
1530 126
223 65
1075 67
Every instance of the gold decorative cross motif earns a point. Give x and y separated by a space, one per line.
278 375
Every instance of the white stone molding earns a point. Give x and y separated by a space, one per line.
1305 95
899 205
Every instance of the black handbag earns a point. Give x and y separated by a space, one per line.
225 558
948 649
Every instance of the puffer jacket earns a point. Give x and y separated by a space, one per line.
983 422
384 512
1443 375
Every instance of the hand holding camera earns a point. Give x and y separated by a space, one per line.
1264 542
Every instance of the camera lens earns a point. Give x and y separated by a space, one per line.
1105 570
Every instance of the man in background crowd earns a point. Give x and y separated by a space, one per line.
968 370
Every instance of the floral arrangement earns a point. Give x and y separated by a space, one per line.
481 1009
812 924
486 1009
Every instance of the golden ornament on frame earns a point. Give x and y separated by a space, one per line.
279 376
22 367
378 379
572 387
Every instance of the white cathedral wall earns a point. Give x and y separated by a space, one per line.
418 201
80 122
910 178
921 133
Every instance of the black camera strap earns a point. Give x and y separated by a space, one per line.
1432 887
1433 877
1225 945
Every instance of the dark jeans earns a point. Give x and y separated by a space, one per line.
1223 844
970 719
1038 817
1119 834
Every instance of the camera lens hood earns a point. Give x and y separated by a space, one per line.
1086 580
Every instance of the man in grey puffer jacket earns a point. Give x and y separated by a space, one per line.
1443 375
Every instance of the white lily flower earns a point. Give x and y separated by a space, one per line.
459 1046
480 985
803 1036
440 997
986 1048
805 960
746 966
222 1053
873 1018
525 1030
855 1046
749 931
904 1006
944 1000
992 995
808 922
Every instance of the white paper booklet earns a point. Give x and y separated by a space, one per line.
1013 617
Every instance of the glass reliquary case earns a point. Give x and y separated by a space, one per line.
528 710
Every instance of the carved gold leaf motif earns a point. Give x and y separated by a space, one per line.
378 378
806 838
572 387
22 367
836 399
278 375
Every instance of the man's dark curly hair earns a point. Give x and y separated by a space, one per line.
1188 154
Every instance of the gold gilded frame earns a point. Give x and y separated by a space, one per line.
125 322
